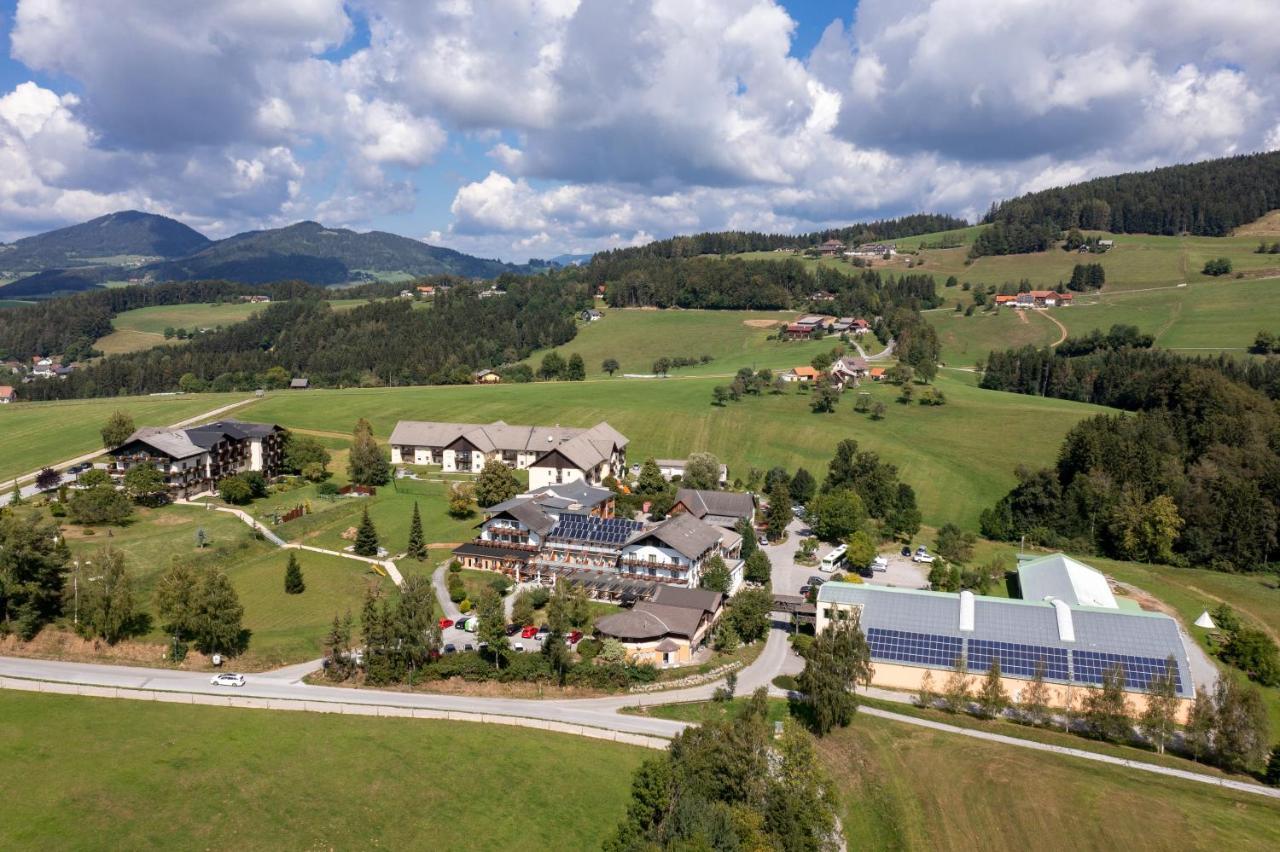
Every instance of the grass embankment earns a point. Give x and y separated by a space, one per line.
942 451
135 775
40 433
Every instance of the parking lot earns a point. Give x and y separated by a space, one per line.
788 576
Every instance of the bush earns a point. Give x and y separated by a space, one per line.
787 682
588 648
539 596
464 605
327 489
455 566
801 642
1217 266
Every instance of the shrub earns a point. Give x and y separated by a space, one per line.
464 606
787 682
588 648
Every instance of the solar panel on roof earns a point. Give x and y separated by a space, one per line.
1139 672
928 649
1017 659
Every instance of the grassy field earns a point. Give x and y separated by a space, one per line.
638 337
36 434
944 452
133 775
144 327
285 628
906 787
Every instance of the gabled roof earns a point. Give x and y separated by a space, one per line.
700 599
851 363
184 443
531 516
806 370
684 534
169 442
648 620
498 435
729 503
1061 577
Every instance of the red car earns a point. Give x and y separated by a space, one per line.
446 622
574 636
529 632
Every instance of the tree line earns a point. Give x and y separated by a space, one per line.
737 242
1192 478
1205 199
381 343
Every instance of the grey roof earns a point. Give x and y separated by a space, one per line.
170 442
648 620
729 504
531 516
1061 577
184 443
700 599
499 435
575 496
299 383
683 533
1140 634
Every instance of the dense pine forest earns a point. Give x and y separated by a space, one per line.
1193 477
734 283
383 342
1205 199
737 242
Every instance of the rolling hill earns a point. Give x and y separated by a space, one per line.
104 241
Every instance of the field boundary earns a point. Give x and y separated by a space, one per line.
336 707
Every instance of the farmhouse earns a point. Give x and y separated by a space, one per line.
849 369
551 454
1040 299
193 460
671 468
7 395
830 248
876 374
486 377
722 508
570 532
668 629
874 250
911 632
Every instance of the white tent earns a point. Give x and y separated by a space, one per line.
1205 621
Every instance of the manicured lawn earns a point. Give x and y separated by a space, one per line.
969 339
135 775
638 337
905 787
285 628
945 452
36 434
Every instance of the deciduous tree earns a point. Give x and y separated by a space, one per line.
992 698
835 662
1106 711
1160 717
366 462
107 606
495 484
702 471
117 429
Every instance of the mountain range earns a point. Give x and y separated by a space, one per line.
145 247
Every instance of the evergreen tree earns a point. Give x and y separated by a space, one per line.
650 480
495 484
375 628
955 693
417 544
1035 698
1201 722
802 487
293 584
522 609
337 649
117 429
415 628
1272 776
992 698
749 544
835 662
1106 710
1160 717
107 608
33 559
576 369
366 463
492 627
366 536
217 627
778 514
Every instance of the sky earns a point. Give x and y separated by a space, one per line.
532 128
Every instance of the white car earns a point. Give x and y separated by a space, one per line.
879 564
227 679
922 556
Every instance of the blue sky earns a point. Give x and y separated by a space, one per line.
516 128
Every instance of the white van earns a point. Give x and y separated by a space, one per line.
833 560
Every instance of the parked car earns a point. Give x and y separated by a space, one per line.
922 555
446 623
804 591
451 648
513 629
764 541
574 637
517 647
468 647
542 633
528 632
879 564
906 550
467 624
227 679
816 581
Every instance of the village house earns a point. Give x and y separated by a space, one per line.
552 454
860 326
194 460
822 296
830 248
876 374
849 370
806 326
7 395
871 250
668 629
671 468
721 508
486 377
1041 299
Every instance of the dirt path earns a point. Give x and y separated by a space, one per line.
1022 317
1061 328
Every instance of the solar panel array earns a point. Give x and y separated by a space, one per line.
1018 660
1139 672
928 649
594 529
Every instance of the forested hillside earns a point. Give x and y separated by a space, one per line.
1206 199
734 283
128 232
737 242
385 342
1193 477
